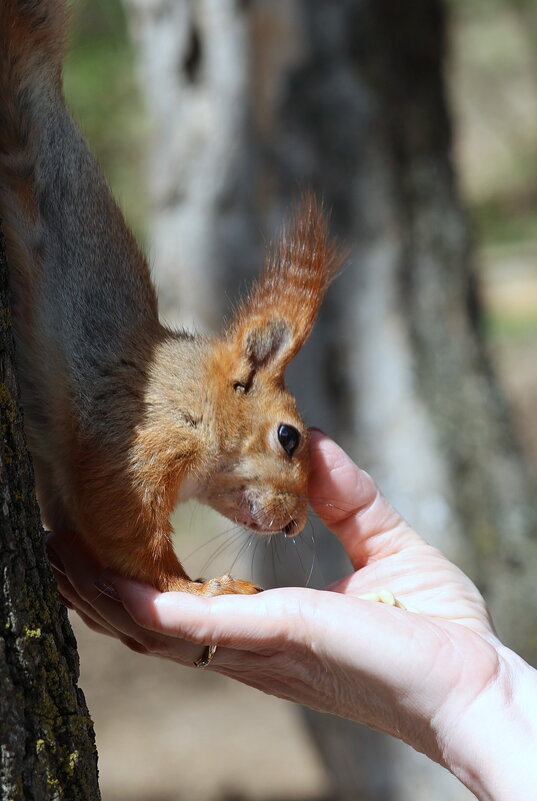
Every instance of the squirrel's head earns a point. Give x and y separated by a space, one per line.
259 473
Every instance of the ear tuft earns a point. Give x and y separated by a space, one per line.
273 323
266 343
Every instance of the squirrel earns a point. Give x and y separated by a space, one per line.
123 417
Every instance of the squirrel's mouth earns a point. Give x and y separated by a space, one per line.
290 529
281 513
261 511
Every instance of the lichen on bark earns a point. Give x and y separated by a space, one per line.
47 743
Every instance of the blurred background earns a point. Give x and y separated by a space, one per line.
417 124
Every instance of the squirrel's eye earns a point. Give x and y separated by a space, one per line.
289 438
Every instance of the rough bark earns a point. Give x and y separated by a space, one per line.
47 745
349 97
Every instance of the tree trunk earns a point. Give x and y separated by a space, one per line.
348 97
46 735
482 506
193 69
418 402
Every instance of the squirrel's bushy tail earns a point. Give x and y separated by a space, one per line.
32 43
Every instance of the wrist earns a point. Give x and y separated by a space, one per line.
492 747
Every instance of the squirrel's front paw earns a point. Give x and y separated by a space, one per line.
223 585
227 585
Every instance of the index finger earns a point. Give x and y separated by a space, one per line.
351 505
260 624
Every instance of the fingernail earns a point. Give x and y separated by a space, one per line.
107 588
55 560
318 430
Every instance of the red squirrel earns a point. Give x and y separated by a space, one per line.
124 417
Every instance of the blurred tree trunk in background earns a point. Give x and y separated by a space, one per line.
250 101
526 11
193 68
47 744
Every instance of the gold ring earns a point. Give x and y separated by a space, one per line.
206 658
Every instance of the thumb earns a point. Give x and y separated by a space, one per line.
347 500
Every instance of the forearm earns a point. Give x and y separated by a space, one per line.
493 748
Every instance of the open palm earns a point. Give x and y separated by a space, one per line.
331 649
432 673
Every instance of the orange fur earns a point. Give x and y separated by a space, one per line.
295 279
124 417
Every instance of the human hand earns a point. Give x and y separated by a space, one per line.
418 676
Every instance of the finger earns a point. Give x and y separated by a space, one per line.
130 643
261 624
270 634
74 601
67 593
83 582
66 548
65 602
109 612
92 624
76 569
349 503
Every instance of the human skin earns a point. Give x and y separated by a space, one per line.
434 674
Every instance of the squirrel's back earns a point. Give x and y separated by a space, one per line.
80 284
32 36
34 33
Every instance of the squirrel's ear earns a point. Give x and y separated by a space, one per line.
266 343
275 320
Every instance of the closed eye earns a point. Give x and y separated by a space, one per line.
244 385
